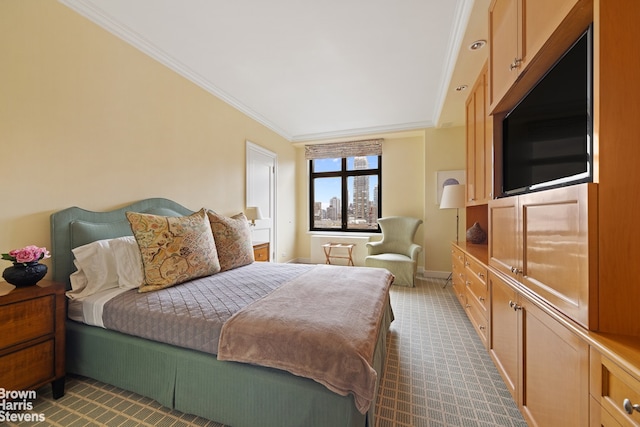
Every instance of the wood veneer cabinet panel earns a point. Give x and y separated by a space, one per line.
547 241
504 235
526 37
559 235
479 144
503 343
616 112
555 371
503 47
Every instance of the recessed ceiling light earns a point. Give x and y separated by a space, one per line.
461 88
478 44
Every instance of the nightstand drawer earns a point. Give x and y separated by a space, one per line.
261 252
26 320
28 367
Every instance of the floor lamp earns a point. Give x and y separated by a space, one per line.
453 197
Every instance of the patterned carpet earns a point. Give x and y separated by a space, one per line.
437 374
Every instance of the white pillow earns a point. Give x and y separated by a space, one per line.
126 253
96 269
106 264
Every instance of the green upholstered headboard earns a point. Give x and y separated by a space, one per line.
73 227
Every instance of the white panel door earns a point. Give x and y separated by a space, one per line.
261 189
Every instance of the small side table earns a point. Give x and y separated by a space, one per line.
261 251
32 343
328 247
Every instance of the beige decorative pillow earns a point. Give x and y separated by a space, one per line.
233 240
174 249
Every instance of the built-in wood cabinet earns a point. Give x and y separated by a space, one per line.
548 242
564 318
544 364
479 143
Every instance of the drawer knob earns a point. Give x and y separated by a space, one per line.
629 407
480 275
481 299
515 306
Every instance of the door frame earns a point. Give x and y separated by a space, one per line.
255 148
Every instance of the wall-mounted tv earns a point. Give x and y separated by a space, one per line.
547 137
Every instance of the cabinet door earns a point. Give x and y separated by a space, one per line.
470 113
504 236
503 45
540 18
559 232
477 120
503 342
555 372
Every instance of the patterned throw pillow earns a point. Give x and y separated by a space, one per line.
174 249
233 240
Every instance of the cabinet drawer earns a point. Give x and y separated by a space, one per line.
476 269
28 367
457 255
25 320
612 385
478 292
477 316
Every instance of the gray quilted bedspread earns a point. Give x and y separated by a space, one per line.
191 314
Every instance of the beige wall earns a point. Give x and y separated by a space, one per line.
87 120
445 150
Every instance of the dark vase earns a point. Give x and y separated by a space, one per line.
24 273
475 234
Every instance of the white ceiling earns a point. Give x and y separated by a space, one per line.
313 70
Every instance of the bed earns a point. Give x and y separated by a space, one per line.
236 392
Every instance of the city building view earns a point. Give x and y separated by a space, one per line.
362 194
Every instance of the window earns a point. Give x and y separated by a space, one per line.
345 192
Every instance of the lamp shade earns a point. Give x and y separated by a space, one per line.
453 196
253 213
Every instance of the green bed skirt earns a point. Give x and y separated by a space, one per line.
236 394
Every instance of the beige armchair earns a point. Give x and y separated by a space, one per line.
396 251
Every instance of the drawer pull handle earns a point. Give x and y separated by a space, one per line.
468 283
482 327
481 299
515 64
629 408
480 275
515 306
516 270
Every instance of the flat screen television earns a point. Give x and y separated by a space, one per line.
547 137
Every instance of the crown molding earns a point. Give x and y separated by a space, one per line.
88 10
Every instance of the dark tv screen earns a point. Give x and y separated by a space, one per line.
547 137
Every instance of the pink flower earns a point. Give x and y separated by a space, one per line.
27 254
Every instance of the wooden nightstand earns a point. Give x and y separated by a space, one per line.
32 342
261 251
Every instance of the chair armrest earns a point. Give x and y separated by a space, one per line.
374 248
413 251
